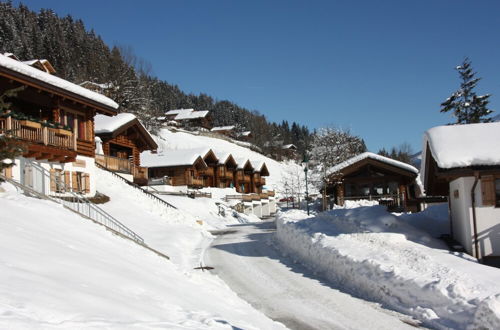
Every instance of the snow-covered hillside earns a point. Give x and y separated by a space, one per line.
58 270
169 140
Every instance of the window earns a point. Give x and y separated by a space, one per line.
497 192
81 127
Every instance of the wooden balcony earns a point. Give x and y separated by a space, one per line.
196 182
114 164
140 175
224 174
43 142
243 178
207 172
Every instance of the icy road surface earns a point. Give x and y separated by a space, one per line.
285 291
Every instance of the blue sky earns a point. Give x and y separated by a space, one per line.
380 68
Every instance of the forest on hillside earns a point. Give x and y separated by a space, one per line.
80 55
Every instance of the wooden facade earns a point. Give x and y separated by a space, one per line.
122 148
373 179
182 175
258 179
242 178
55 124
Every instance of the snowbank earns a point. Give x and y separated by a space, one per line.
378 256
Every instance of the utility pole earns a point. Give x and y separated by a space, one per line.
305 161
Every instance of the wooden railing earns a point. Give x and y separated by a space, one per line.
387 200
270 193
208 171
114 163
36 133
140 173
192 181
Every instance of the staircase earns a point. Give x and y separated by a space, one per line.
144 191
75 202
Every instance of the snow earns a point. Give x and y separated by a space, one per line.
289 146
222 128
278 171
177 111
371 155
58 270
245 133
167 158
383 258
106 124
191 115
222 156
463 145
45 77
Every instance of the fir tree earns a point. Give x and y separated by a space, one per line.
466 105
10 147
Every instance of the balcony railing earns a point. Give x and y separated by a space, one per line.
192 181
114 164
140 173
37 133
208 172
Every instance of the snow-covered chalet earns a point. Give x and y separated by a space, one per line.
54 121
463 163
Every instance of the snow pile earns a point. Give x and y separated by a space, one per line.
107 124
378 256
45 77
464 145
58 270
168 140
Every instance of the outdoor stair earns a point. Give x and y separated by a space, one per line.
80 205
136 186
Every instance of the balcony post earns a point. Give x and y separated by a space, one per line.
45 135
9 123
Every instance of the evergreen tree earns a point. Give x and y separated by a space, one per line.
466 105
10 147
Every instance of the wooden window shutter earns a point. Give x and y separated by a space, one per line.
488 190
86 179
74 181
67 184
53 185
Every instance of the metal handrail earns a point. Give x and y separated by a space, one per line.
156 198
83 206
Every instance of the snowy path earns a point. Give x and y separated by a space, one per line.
285 291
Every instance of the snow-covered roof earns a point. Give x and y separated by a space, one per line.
191 115
454 146
222 156
47 78
166 158
245 133
222 128
241 162
107 124
161 118
289 146
371 155
257 164
177 111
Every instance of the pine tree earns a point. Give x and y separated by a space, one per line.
466 105
10 147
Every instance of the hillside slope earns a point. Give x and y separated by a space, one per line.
279 171
58 270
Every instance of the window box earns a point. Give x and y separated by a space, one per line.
29 123
61 131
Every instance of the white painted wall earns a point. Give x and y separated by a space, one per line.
248 208
257 208
272 205
265 208
22 172
487 218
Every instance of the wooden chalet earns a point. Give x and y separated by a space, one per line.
54 118
122 139
209 157
244 136
175 167
258 179
224 130
224 172
462 162
373 177
242 177
189 118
